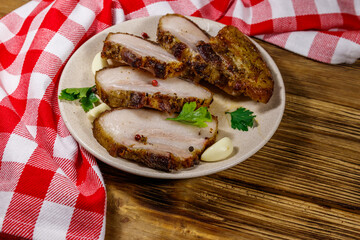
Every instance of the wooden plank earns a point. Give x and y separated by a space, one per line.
217 207
8 6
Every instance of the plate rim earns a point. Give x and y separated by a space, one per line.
186 173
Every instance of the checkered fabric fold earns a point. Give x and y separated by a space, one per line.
50 187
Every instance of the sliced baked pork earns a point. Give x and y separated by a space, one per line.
242 65
140 53
133 88
180 36
145 136
229 61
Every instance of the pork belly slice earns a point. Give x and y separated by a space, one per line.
140 53
229 61
133 88
180 36
242 65
144 136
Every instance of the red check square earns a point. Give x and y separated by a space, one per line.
306 22
9 120
53 20
262 27
34 182
131 6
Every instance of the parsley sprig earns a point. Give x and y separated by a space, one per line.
242 119
86 96
190 116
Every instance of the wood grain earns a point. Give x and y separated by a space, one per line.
303 184
7 6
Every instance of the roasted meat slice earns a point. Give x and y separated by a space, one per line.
143 135
242 65
181 37
229 61
128 87
140 53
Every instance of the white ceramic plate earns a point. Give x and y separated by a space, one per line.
77 73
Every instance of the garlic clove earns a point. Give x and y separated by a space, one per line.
218 151
98 63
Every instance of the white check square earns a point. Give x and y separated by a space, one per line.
18 149
60 46
118 15
357 7
26 9
32 130
160 8
53 221
5 33
65 147
242 12
2 94
346 51
9 81
199 4
300 42
38 85
282 8
327 6
5 199
83 16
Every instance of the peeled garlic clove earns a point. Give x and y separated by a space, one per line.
218 151
96 111
98 63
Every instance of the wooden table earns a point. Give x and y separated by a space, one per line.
303 184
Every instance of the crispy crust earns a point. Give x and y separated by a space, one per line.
196 67
122 54
151 158
243 67
172 44
133 99
158 101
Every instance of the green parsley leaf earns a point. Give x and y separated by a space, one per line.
190 116
241 119
93 98
85 95
66 96
71 94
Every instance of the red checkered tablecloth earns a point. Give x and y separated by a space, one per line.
50 187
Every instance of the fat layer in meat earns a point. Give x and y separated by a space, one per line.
140 53
144 136
133 88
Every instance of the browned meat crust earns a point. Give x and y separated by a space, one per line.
159 101
242 65
150 158
196 67
120 53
